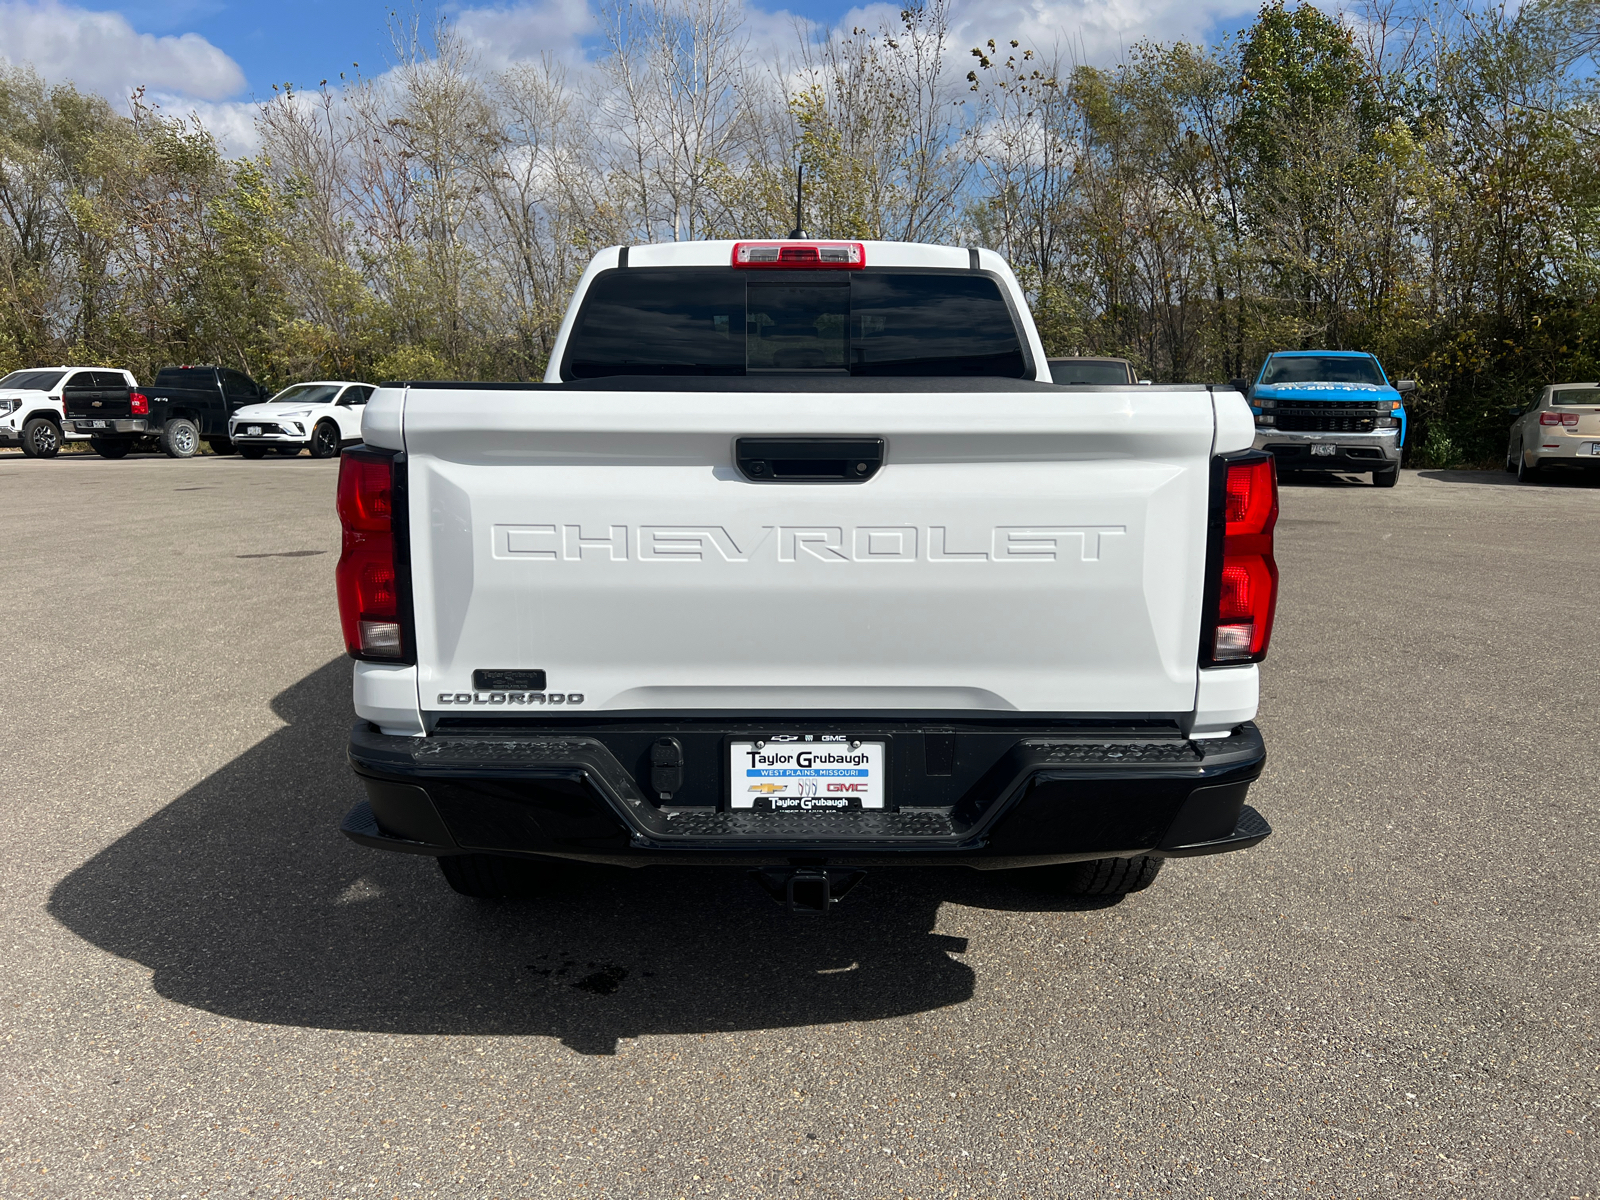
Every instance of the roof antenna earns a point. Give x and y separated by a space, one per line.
799 230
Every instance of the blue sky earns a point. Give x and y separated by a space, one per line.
304 41
300 41
215 56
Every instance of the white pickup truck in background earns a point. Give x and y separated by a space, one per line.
798 560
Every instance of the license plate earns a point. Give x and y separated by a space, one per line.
806 773
1320 451
1594 447
252 431
97 424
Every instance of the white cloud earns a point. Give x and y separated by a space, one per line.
101 52
502 36
1096 31
231 122
569 28
185 73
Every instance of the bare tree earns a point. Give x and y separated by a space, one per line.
672 118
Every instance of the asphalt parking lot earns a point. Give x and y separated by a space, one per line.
208 992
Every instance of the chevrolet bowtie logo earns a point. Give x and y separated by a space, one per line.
768 788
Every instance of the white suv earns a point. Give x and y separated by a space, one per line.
31 408
321 417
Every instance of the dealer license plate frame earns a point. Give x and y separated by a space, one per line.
778 786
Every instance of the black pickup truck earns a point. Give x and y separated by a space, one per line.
183 406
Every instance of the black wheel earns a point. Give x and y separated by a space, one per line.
491 877
220 445
251 451
1527 473
1512 453
41 438
325 440
1386 478
179 438
1098 877
110 447
290 451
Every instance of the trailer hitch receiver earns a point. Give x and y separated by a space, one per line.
807 889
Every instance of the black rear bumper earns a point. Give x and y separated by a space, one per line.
981 797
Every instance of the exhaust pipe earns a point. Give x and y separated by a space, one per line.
807 889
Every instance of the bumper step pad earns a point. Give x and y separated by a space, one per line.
1067 796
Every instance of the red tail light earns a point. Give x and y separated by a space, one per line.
367 577
1246 585
811 256
138 404
1554 418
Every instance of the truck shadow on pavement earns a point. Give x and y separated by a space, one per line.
245 901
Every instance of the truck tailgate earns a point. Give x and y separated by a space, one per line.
1031 550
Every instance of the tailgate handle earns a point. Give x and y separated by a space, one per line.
808 459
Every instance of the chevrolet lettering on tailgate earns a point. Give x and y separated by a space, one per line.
794 543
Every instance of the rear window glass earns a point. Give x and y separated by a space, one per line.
1088 370
1576 396
1312 368
199 377
32 381
717 321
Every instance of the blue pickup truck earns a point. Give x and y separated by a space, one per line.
1330 410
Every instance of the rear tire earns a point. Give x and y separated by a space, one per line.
325 440
41 438
1386 478
220 445
289 451
1098 877
251 452
1525 472
492 877
179 438
109 447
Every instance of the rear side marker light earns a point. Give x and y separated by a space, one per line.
808 256
367 579
138 404
1247 595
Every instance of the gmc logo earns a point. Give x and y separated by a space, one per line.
805 543
847 787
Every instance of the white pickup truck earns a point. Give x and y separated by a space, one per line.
798 560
